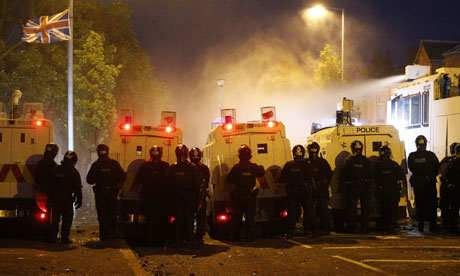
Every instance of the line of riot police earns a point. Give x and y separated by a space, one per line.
174 195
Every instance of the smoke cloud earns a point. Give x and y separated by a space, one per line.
265 50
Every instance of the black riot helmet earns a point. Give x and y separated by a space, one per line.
102 150
420 142
457 149
385 152
51 151
313 150
156 152
70 157
195 155
357 147
181 152
244 152
452 148
298 152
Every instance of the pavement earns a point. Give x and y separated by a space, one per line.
407 253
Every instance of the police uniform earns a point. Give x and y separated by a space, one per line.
424 166
321 173
449 195
388 175
105 174
452 175
202 205
65 190
243 176
44 169
355 175
152 177
299 190
185 181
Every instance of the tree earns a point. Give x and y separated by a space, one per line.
381 65
329 68
94 101
110 67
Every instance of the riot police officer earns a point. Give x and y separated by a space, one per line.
200 214
452 175
424 166
321 174
299 190
106 174
45 167
355 176
152 177
388 175
65 191
448 196
185 182
244 195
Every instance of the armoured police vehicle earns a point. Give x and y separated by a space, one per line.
335 148
427 105
22 143
270 148
130 146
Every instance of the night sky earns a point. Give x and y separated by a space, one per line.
174 31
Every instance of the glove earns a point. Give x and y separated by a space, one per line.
78 203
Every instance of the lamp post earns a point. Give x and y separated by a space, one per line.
318 11
220 83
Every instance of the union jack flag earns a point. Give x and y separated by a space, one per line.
48 29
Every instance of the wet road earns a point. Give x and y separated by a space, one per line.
408 253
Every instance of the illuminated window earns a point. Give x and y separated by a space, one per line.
415 110
426 108
393 108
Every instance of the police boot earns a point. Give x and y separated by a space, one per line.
433 227
65 240
421 226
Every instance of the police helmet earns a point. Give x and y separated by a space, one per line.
51 150
420 141
244 152
195 154
156 152
70 156
298 151
313 148
452 148
181 151
102 150
357 147
385 152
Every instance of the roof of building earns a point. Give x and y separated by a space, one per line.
436 48
454 50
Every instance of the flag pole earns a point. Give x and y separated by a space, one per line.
70 80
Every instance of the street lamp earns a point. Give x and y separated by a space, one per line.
319 11
220 83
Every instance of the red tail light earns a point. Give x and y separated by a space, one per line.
271 124
125 126
41 216
171 219
283 213
228 126
222 218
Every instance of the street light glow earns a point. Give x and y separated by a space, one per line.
316 11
